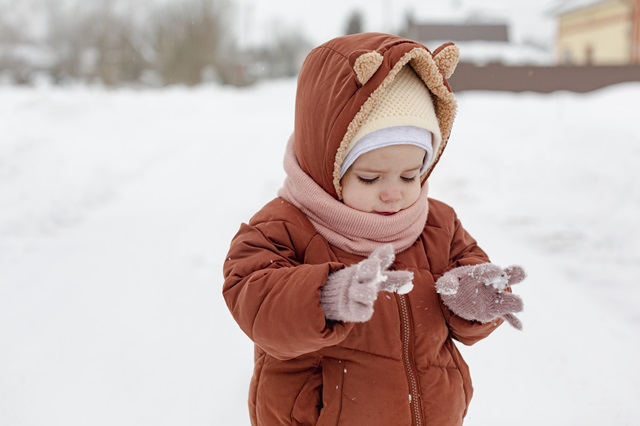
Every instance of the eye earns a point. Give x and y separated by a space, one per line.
409 179
367 181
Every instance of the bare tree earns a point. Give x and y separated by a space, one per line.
186 39
68 39
120 41
117 57
20 54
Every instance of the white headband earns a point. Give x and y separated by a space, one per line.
397 135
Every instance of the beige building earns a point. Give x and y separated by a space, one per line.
605 32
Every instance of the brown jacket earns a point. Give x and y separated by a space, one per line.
399 368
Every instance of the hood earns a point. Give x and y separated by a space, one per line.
340 83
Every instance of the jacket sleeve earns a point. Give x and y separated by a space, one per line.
465 251
273 296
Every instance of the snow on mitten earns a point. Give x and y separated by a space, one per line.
476 292
349 294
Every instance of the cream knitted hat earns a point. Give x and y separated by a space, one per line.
406 102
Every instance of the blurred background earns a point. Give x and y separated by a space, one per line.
239 42
136 136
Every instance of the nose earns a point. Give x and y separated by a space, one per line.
390 194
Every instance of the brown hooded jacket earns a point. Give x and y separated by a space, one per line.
401 367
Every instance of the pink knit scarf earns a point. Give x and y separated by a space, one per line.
349 229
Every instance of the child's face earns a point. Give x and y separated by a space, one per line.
385 180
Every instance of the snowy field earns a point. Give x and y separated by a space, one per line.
117 208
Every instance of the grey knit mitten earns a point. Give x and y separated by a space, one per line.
349 294
476 292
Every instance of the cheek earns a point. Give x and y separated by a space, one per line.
359 197
414 192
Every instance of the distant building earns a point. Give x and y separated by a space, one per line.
480 43
598 32
461 32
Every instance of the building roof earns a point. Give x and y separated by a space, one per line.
426 32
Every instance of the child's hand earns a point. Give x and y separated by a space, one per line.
476 292
349 293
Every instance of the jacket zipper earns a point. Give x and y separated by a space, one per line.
414 396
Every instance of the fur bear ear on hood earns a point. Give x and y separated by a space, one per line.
365 64
446 58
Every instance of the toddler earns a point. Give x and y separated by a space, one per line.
353 284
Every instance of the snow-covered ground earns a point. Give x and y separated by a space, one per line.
117 208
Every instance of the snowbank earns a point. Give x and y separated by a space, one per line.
117 208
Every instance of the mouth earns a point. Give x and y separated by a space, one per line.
386 213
